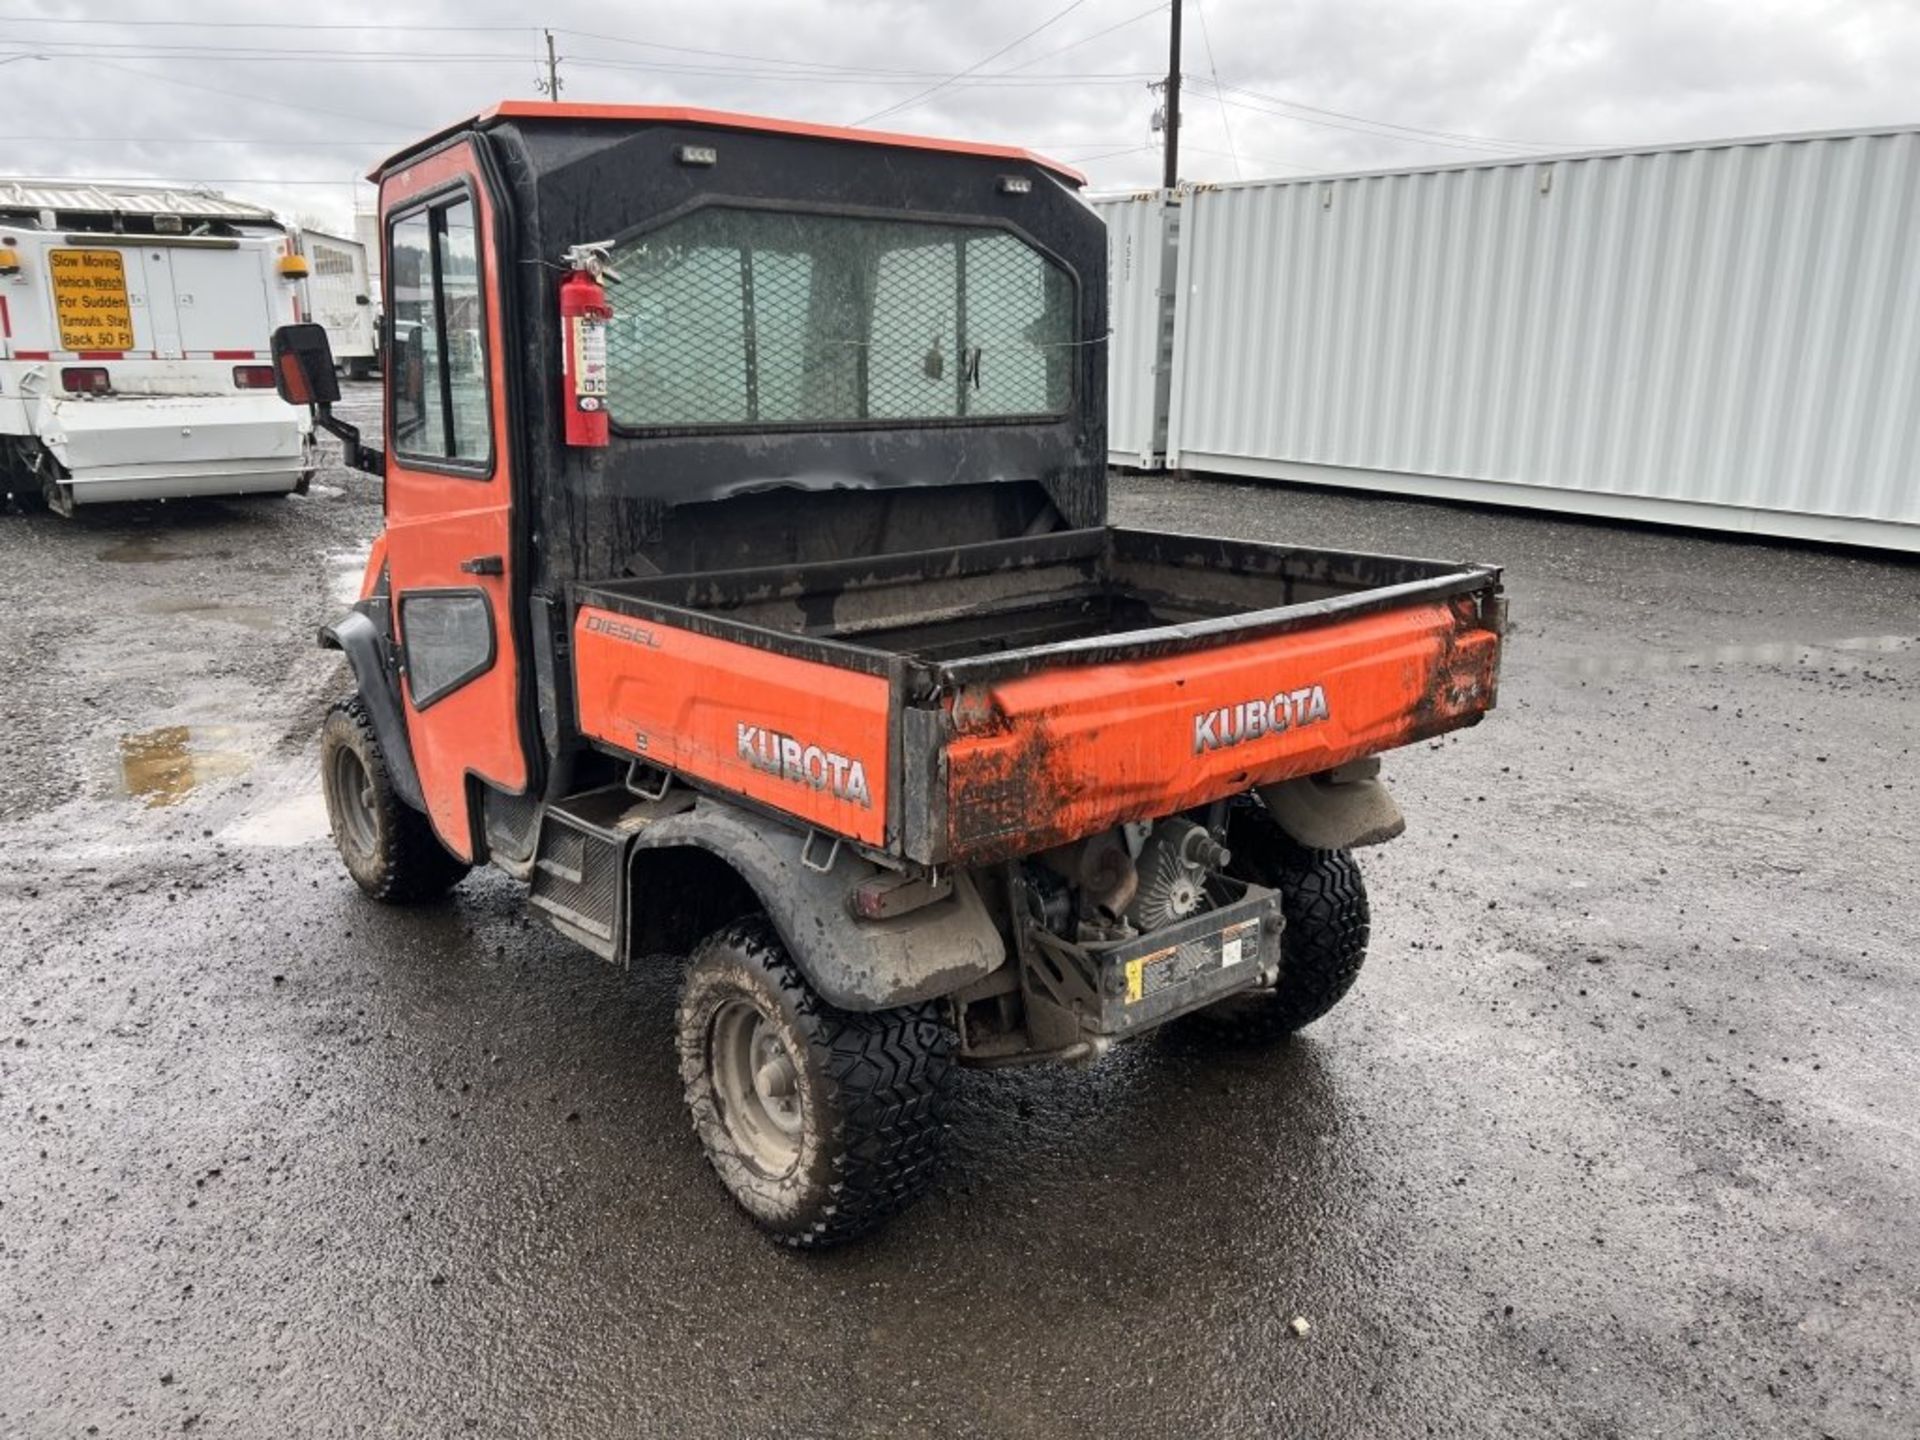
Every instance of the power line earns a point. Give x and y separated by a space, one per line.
999 80
735 54
824 75
1110 154
97 20
257 99
1201 10
198 180
1477 149
1236 157
288 58
185 140
913 100
188 48
1459 138
1084 39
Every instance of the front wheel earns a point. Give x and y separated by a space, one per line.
821 1123
1324 900
388 846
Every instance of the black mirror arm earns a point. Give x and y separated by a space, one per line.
365 458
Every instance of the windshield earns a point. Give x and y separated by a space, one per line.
737 317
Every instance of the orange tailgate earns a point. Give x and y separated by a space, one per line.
1048 757
806 738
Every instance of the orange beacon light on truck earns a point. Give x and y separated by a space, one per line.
584 313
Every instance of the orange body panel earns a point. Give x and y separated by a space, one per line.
437 521
1049 757
1044 758
376 562
805 738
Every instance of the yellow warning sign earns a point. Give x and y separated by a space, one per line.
90 299
1136 973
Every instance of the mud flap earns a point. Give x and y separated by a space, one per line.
1339 809
855 964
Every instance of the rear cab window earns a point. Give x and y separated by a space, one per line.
735 317
438 368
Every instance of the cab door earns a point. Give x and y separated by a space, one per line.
449 493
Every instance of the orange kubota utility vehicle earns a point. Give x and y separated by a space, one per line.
747 591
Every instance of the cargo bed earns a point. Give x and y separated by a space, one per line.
975 703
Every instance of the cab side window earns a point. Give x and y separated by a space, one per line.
438 360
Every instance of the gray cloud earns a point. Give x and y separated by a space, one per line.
302 112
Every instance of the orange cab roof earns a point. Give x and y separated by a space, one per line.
725 120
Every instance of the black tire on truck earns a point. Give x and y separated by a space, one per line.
1324 899
388 846
821 1123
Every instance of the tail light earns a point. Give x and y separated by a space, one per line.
253 377
86 380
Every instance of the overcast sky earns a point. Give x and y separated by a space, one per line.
288 116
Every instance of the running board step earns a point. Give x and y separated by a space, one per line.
579 868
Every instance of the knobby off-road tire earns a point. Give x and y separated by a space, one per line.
821 1123
388 846
1324 900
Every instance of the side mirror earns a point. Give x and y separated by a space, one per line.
303 374
303 366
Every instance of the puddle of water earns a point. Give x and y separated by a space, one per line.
149 547
254 617
141 550
1776 652
293 821
164 766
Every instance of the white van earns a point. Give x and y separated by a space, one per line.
340 299
135 333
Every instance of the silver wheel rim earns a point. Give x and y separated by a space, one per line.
353 802
757 1085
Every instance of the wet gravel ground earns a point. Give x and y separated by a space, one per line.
1617 1136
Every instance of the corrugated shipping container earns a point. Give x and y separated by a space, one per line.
1142 232
1724 335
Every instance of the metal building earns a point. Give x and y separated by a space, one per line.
1724 334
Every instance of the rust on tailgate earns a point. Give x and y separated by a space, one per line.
1046 758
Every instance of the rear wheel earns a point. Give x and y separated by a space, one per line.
822 1123
1325 943
388 846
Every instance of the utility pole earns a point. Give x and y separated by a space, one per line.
553 70
1170 175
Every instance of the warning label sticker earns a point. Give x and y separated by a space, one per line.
90 299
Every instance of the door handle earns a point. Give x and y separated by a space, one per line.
483 565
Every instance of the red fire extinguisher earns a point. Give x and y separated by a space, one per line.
584 313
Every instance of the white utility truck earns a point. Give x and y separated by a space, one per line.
135 345
340 299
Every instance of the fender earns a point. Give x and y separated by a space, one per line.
365 645
1339 809
854 964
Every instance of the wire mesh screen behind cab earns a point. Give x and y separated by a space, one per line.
756 317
